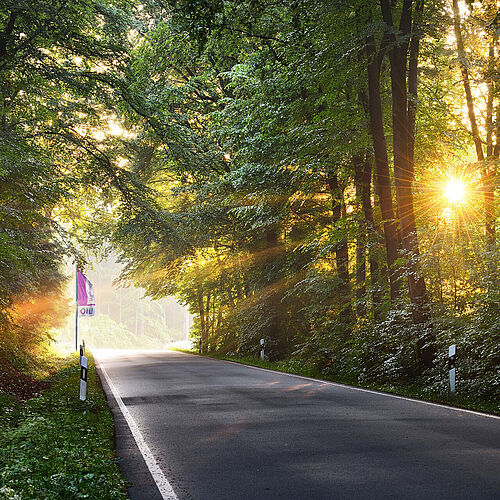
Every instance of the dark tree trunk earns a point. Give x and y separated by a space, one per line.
403 168
207 324
366 203
413 78
370 224
341 248
383 178
201 311
489 104
361 240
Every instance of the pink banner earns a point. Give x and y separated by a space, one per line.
85 291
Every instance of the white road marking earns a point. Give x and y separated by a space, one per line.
161 481
354 388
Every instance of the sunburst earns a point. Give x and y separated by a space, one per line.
455 190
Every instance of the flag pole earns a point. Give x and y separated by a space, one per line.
76 308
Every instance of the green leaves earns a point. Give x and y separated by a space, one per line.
59 447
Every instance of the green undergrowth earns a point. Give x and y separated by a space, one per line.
301 367
58 447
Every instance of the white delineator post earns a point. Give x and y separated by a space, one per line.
451 367
261 348
83 378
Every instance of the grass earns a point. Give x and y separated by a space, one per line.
58 447
301 367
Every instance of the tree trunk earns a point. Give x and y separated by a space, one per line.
366 203
490 170
207 324
370 224
201 311
488 189
213 343
403 168
361 239
341 248
383 177
489 104
462 59
413 79
496 151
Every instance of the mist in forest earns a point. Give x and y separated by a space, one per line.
124 317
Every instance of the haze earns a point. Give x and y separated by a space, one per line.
125 318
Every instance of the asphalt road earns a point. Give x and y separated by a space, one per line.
224 431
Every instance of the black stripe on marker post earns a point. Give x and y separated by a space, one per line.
451 362
83 373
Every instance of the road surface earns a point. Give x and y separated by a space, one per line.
219 430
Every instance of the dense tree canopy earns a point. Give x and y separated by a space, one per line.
322 175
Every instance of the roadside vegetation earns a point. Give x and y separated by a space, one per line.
54 446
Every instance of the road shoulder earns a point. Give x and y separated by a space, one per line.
140 483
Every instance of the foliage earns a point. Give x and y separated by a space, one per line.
57 446
55 59
263 161
278 167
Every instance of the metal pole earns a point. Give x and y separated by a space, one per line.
76 308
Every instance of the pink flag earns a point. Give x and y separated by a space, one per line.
85 290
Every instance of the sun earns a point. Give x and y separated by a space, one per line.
454 190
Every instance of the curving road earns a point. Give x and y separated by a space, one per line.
219 430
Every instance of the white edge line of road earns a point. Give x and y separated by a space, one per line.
352 387
161 481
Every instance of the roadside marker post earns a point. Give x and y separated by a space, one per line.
82 351
262 349
451 367
83 378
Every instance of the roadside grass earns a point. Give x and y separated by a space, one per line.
301 367
57 447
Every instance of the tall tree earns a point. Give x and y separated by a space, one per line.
487 169
403 168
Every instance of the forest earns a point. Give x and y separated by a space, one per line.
321 174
